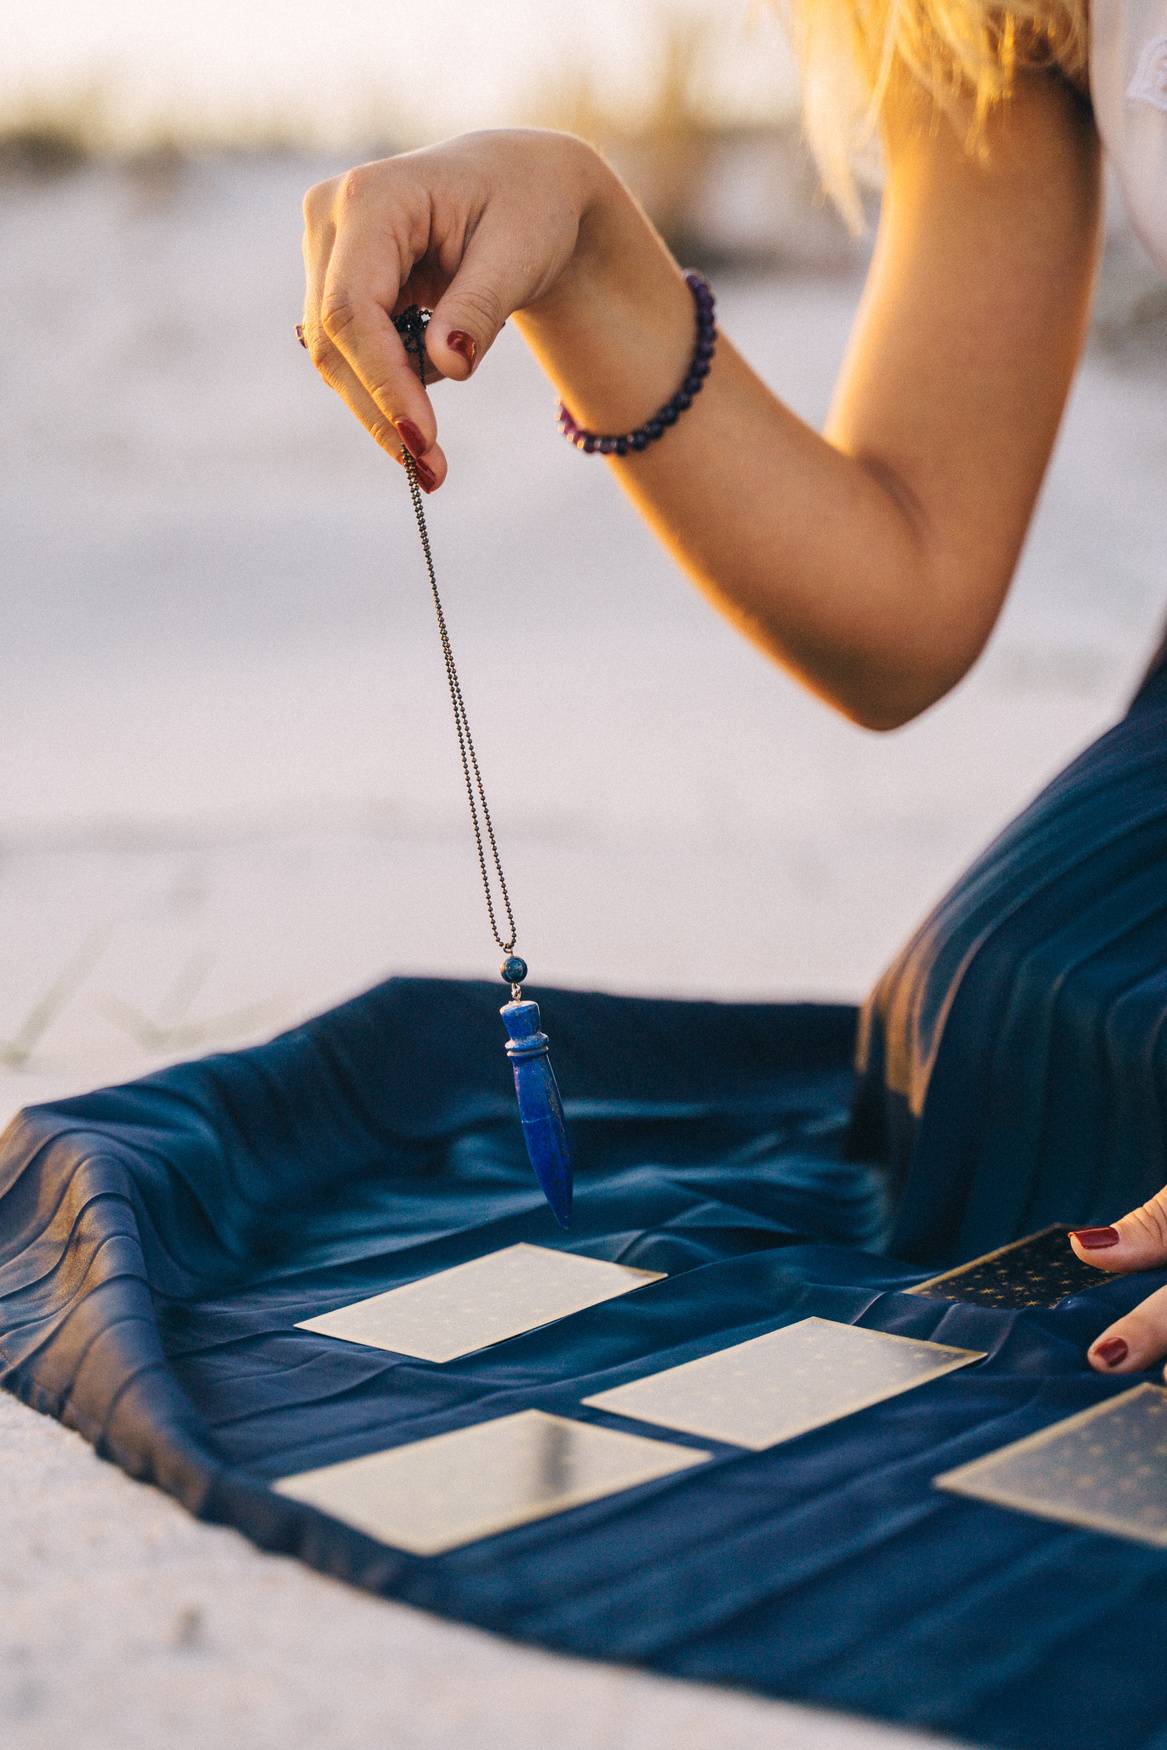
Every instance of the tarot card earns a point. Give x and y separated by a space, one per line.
1037 1271
1105 1469
785 1383
455 1488
473 1305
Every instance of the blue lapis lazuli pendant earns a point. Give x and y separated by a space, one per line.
540 1108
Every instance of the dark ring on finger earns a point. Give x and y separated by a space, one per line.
300 335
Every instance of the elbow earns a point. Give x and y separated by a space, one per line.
892 697
881 722
882 716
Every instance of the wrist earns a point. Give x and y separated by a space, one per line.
666 416
616 331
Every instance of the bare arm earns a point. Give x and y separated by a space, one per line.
873 561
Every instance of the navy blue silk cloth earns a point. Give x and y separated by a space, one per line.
159 1242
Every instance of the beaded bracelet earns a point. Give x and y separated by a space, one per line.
591 442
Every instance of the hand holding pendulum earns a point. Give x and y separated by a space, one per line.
540 1110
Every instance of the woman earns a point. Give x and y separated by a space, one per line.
1011 1073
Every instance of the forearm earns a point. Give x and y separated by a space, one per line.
795 542
871 562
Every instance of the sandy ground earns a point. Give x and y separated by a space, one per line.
126 1625
229 796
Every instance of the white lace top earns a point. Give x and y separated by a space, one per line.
1128 82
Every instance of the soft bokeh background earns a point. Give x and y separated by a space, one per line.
229 792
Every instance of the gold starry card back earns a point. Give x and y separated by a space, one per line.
455 1488
1039 1270
485 1301
1104 1469
775 1387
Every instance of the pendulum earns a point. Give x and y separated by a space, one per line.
540 1108
540 1111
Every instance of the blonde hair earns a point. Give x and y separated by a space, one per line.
964 53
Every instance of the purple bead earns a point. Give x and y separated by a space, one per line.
639 440
589 443
621 446
606 445
682 401
667 415
692 386
705 350
655 427
700 370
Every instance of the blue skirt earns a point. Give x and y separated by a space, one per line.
1013 1060
160 1241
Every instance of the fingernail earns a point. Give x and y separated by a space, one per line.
411 437
1095 1239
1112 1351
463 344
426 477
300 335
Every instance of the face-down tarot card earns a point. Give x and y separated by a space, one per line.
1039 1270
455 1488
473 1305
774 1387
1105 1469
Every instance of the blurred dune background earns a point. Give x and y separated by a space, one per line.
229 787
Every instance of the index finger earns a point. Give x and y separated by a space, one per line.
369 262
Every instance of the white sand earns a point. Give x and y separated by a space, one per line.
126 1625
229 796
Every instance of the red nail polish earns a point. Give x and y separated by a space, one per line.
1112 1351
1095 1239
426 477
463 344
411 438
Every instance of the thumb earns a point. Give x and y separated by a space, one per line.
480 297
1137 1242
